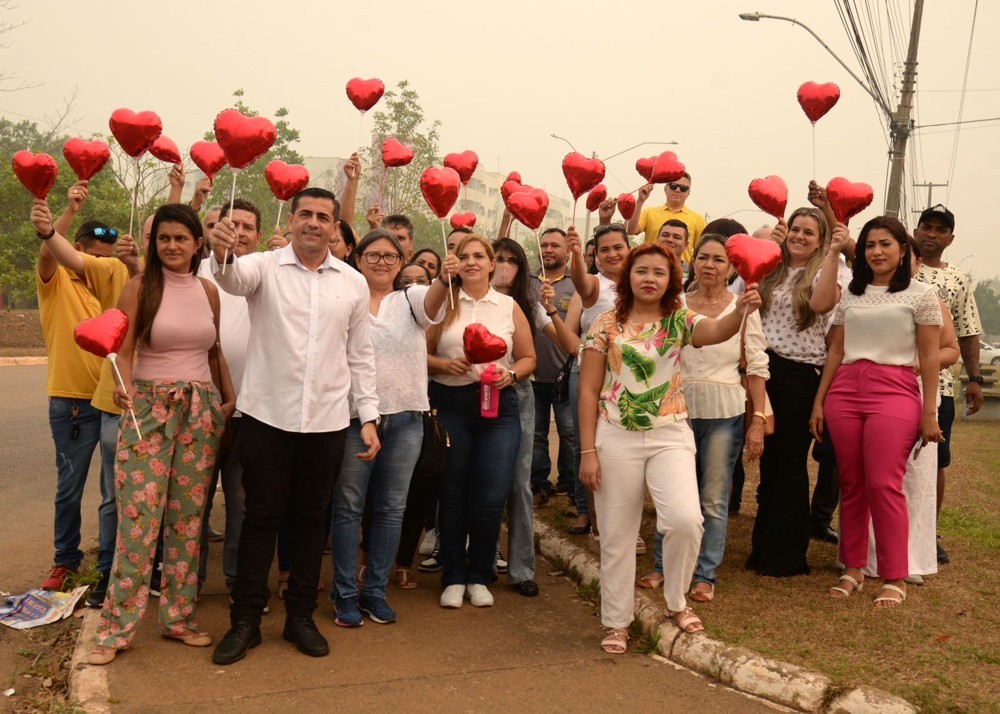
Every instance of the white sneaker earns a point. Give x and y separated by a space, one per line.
453 595
479 595
429 542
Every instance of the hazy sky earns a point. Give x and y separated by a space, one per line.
503 76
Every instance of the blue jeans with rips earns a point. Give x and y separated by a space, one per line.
76 431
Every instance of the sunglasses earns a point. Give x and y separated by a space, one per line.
680 188
105 235
601 230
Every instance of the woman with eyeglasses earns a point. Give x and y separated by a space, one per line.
798 298
399 320
483 454
413 274
595 294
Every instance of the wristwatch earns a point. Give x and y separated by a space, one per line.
377 421
552 314
513 376
978 379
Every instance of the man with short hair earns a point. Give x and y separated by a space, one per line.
401 227
555 257
935 232
309 349
455 237
649 220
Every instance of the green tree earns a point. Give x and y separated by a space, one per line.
987 293
250 183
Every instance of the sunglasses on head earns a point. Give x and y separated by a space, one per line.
679 187
105 235
601 230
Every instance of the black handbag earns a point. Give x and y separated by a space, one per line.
434 450
562 380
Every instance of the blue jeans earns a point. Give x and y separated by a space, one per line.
719 443
389 474
520 504
547 401
107 512
476 480
579 490
76 430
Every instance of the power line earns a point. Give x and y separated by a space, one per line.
953 123
961 103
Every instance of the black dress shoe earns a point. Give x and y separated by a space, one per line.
579 530
301 630
825 534
528 588
241 638
942 555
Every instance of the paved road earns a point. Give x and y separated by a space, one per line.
522 655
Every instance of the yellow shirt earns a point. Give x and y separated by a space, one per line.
65 301
651 219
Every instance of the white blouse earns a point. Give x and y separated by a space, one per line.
881 327
496 312
779 324
712 387
605 301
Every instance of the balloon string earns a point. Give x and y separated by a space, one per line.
277 221
135 200
232 200
361 129
465 197
538 242
378 200
444 241
121 381
575 201
814 151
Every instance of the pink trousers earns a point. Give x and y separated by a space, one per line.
873 414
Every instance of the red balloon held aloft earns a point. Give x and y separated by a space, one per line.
243 139
135 132
463 220
596 197
395 154
626 205
509 188
514 176
440 188
581 173
104 334
481 345
165 149
86 158
365 93
817 99
464 165
752 258
848 199
769 194
36 172
208 156
667 168
645 167
285 180
529 205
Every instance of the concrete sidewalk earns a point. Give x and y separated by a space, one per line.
524 655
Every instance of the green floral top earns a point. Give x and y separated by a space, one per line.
643 385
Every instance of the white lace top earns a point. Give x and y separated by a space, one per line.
808 345
881 327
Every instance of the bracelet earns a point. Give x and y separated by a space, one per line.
588 451
46 237
552 314
762 415
441 279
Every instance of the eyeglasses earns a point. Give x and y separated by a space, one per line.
679 187
407 282
601 230
105 235
387 258
511 260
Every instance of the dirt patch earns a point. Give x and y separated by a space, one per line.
940 650
21 334
40 661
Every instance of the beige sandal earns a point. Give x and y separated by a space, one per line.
101 655
191 638
686 620
890 601
839 593
616 641
651 581
703 595
405 579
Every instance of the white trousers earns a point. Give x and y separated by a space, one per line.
661 460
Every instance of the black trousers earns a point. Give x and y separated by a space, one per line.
781 530
283 469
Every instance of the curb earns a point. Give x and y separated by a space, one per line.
736 667
88 685
21 361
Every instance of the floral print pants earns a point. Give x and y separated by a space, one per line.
161 478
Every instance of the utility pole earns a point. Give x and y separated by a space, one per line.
930 186
900 122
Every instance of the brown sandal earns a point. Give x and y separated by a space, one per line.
651 581
703 595
405 579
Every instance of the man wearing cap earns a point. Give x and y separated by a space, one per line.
935 232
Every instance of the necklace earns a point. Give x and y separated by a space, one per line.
706 304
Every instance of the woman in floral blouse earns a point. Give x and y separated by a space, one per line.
633 421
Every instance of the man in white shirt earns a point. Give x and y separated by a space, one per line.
309 348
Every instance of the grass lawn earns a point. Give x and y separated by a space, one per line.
940 649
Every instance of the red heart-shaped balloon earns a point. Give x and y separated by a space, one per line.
394 154
514 176
817 99
645 167
481 345
86 158
104 334
36 172
529 205
848 199
581 173
243 139
752 258
463 220
596 197
208 156
769 194
509 188
626 205
135 132
464 164
165 149
285 180
440 188
667 168
365 93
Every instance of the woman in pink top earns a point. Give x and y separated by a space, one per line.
163 474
